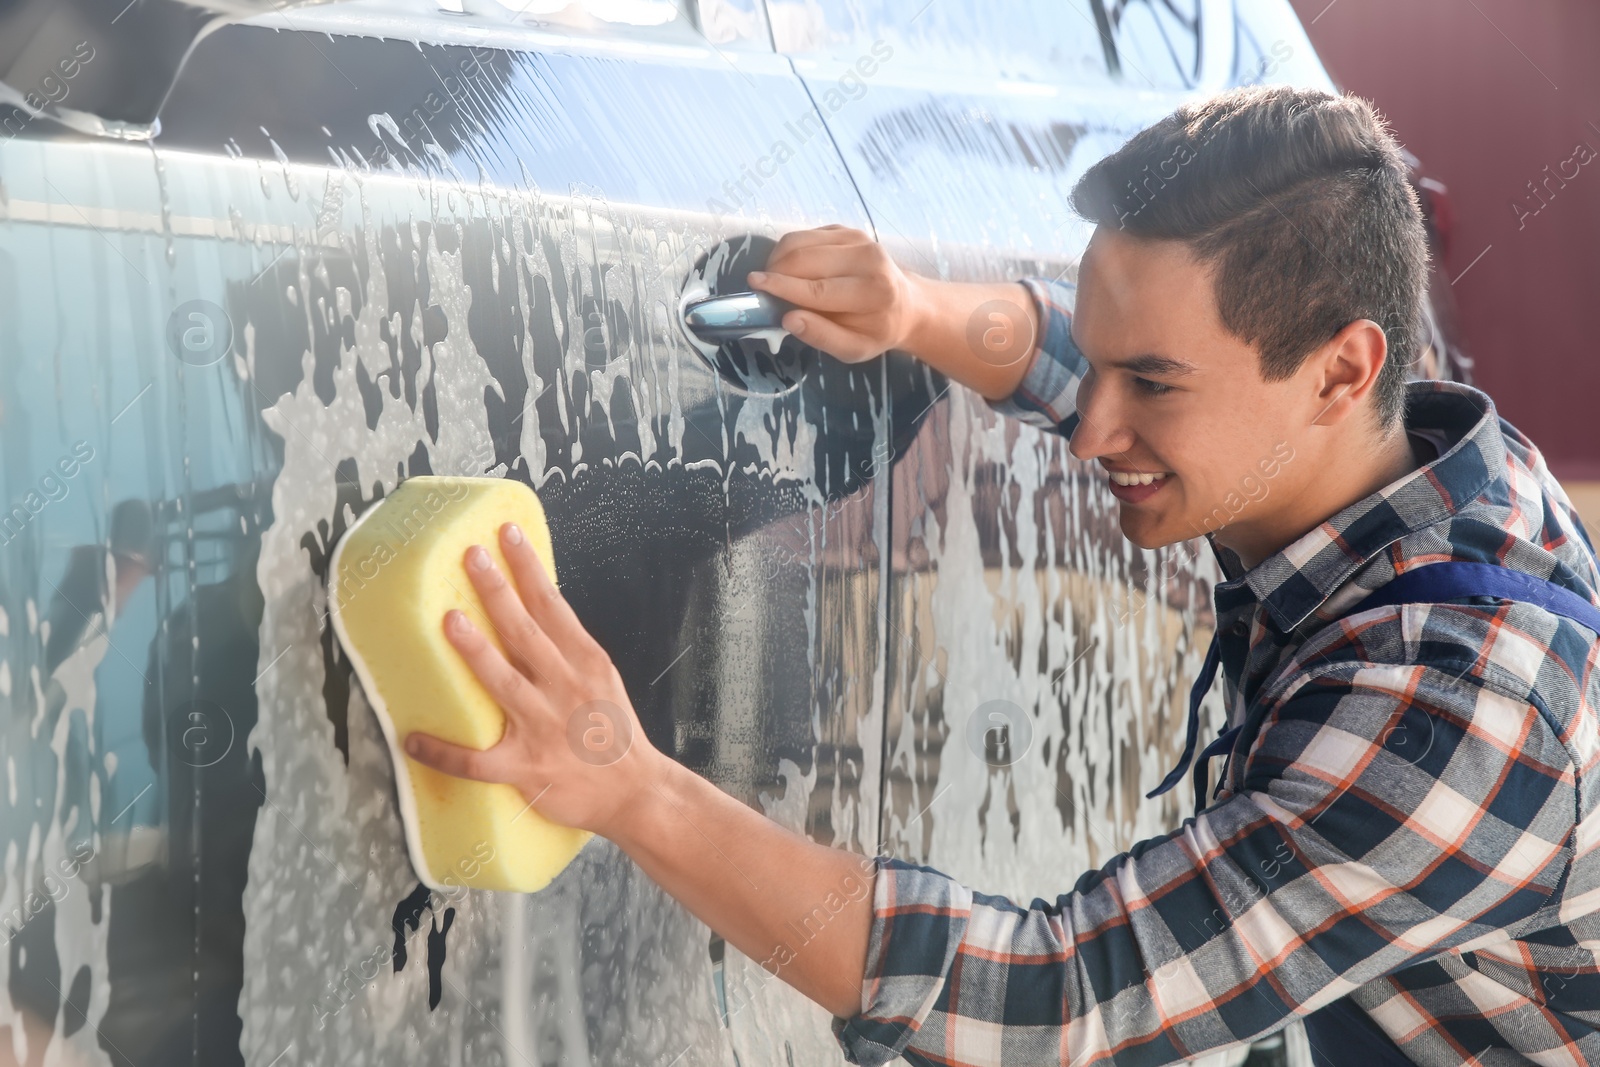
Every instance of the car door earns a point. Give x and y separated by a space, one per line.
370 241
1038 663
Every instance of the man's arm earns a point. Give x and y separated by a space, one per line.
1047 395
981 334
1009 342
799 908
854 302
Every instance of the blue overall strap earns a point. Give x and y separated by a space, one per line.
1438 582
1430 584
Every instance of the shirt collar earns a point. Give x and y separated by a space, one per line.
1294 581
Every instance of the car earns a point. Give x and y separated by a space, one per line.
260 263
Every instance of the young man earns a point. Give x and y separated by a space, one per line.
1402 847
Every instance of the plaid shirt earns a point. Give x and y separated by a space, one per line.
1407 818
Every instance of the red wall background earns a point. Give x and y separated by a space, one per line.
1488 93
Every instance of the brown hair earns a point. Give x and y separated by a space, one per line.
1301 201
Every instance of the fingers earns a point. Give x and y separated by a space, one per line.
831 234
542 599
833 294
484 765
507 685
830 261
509 616
830 337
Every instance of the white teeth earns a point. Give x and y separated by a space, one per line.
1134 479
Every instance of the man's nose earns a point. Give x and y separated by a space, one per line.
1100 430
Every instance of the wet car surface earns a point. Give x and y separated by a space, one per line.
456 243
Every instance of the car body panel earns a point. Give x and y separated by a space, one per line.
492 291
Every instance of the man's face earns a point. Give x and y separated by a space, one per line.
1171 392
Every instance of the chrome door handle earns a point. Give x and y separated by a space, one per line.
737 316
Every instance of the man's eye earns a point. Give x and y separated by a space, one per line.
1153 388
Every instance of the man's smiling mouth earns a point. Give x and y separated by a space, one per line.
1135 477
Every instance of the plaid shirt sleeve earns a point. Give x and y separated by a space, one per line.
1047 396
1389 813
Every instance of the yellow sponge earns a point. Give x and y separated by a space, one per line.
391 580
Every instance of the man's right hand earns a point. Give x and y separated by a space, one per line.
857 303
854 302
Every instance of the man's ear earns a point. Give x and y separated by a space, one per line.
1345 371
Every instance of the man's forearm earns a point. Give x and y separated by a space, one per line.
981 334
800 909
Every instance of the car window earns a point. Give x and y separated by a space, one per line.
594 14
733 21
1153 43
718 21
1273 47
1052 41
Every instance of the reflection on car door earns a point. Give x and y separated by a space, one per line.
350 258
